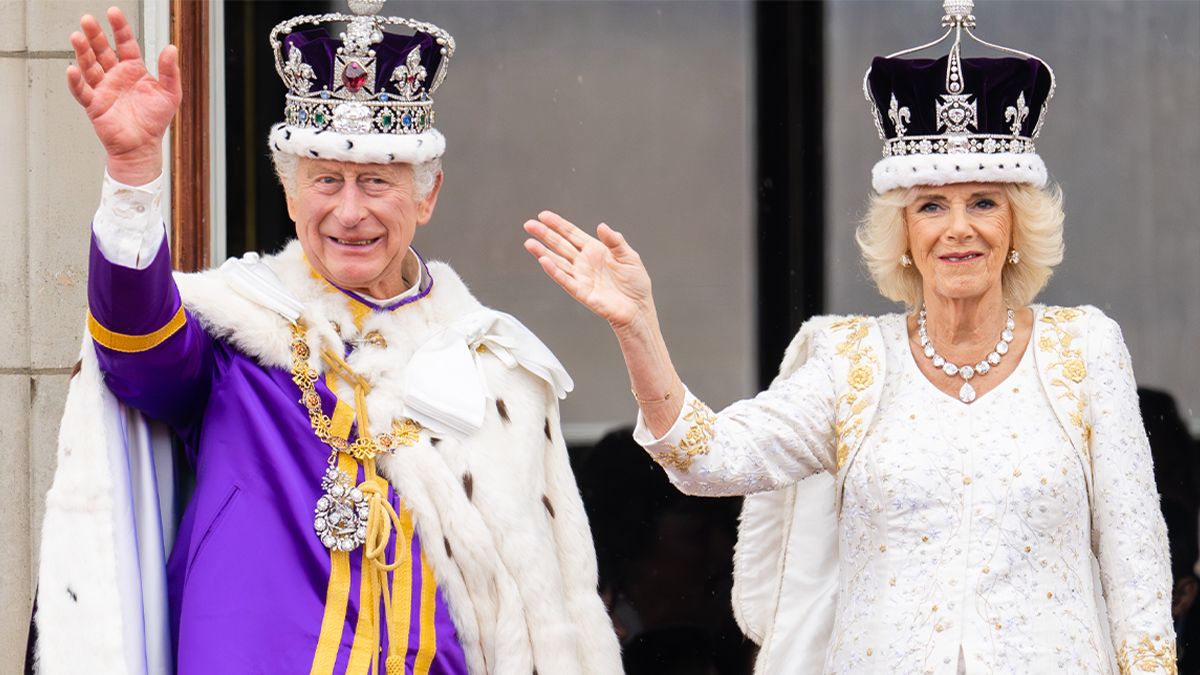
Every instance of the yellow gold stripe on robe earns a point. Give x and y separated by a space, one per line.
336 597
366 632
428 648
129 344
402 588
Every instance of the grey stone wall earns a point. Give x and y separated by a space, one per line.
49 186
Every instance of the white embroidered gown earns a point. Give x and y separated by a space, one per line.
965 538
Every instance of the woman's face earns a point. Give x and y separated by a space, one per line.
959 237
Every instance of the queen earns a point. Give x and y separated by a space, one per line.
963 487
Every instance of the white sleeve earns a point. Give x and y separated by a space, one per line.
128 226
1130 536
781 436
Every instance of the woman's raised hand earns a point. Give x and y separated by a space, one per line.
603 272
130 110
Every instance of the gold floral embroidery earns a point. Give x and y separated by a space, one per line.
1144 657
695 441
864 366
1057 339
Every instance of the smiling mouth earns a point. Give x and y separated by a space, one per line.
964 257
355 242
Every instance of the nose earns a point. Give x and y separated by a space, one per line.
960 224
352 207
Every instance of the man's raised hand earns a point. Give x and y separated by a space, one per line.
130 110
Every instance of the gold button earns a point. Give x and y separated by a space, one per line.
966 480
481 348
997 626
935 608
925 539
882 548
869 652
939 628
1028 549
986 569
1049 595
1016 472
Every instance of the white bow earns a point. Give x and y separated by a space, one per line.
445 385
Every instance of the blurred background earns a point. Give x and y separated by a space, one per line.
729 141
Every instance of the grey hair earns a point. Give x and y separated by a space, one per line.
424 174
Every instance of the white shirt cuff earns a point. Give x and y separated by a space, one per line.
128 226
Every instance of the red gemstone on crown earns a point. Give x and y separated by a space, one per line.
354 76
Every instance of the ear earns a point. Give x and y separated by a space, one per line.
425 206
291 204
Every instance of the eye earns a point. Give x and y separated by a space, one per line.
326 180
929 207
985 203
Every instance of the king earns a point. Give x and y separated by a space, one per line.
381 482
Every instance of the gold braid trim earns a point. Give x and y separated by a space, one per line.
1056 339
695 441
864 366
1144 657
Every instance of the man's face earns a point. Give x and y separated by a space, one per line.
356 221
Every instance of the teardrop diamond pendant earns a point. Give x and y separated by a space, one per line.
966 393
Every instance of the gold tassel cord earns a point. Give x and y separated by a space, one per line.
382 518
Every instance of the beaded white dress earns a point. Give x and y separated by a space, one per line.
966 541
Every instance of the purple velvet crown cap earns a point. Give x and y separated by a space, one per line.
994 84
318 49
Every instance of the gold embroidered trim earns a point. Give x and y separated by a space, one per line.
404 432
695 441
1058 340
1144 657
864 368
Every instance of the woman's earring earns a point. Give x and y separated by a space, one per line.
1014 257
905 260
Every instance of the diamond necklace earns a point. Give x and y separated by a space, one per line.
966 393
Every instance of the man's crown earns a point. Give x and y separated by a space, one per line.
367 81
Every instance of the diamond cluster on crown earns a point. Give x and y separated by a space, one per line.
353 105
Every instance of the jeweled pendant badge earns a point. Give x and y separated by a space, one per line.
341 520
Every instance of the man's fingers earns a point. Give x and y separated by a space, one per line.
168 70
99 42
127 46
85 58
565 228
79 89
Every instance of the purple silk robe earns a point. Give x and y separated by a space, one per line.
248 578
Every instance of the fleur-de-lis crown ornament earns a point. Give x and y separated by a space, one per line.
364 95
954 119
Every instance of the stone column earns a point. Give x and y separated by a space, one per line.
49 186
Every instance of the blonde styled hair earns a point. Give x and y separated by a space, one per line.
1037 232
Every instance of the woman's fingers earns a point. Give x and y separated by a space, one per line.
79 89
539 251
551 267
554 241
127 46
565 228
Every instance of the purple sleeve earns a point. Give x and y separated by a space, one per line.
154 356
